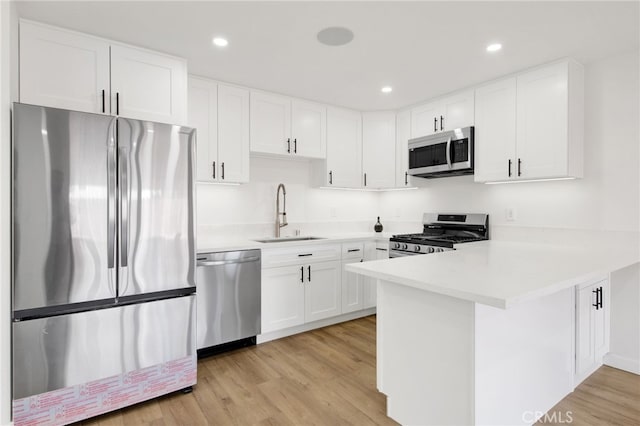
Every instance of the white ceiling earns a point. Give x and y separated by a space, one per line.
422 49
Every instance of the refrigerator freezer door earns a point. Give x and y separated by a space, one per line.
67 350
61 207
157 219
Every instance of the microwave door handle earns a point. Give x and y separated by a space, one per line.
449 152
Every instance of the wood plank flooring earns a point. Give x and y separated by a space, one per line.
328 377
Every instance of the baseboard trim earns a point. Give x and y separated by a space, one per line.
622 363
278 334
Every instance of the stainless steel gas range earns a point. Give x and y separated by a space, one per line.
441 232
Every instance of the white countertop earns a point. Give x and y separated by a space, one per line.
215 244
501 274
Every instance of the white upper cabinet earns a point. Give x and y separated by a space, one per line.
343 167
309 129
63 69
233 133
270 123
71 70
448 113
495 130
379 149
285 126
203 116
531 126
220 114
403 134
148 86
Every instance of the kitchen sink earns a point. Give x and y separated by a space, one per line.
283 239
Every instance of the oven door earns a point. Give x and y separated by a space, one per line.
394 253
442 153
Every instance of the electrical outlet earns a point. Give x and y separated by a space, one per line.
510 214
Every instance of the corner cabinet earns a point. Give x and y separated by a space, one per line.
70 70
592 327
379 149
343 165
287 127
531 126
220 113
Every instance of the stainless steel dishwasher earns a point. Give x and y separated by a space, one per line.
228 295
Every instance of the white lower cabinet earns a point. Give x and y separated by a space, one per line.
592 327
322 291
372 251
352 284
283 298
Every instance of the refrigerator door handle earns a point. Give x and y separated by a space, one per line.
123 162
111 206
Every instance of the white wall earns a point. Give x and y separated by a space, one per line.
606 199
220 206
8 91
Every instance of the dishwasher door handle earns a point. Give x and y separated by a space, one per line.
227 262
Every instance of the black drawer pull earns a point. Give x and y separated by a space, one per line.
352 250
381 249
305 255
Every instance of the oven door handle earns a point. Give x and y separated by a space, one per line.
449 152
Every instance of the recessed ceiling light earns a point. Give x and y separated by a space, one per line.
387 89
335 36
220 41
494 47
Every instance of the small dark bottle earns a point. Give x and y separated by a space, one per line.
378 226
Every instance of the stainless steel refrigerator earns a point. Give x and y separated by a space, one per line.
103 262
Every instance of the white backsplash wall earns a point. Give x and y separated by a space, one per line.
249 209
607 198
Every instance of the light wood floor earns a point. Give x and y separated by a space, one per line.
328 377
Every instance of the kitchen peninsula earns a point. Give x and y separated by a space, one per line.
485 334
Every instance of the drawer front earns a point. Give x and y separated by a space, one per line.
272 258
353 250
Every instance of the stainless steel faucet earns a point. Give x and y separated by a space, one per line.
280 224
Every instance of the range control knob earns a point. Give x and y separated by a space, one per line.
439 249
417 248
396 245
429 249
404 246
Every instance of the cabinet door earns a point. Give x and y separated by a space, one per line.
495 131
344 148
283 298
148 86
542 122
309 129
270 124
458 110
369 284
379 149
425 120
403 134
601 324
585 356
63 69
352 288
323 291
233 133
203 116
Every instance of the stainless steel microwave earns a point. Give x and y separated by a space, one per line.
443 154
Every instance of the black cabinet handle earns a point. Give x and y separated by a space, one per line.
365 179
330 177
600 298
309 277
213 166
222 166
289 145
519 167
352 250
117 103
302 274
435 124
509 167
103 104
381 249
441 123
406 178
295 146
305 255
